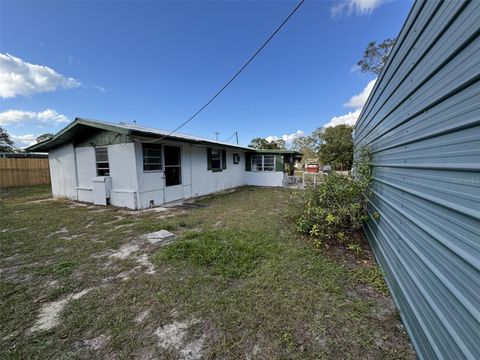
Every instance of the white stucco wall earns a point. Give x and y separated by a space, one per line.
85 158
123 172
259 178
206 181
73 170
150 183
63 172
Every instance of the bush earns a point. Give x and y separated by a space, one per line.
336 208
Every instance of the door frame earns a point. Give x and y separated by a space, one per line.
179 187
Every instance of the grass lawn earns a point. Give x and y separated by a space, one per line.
83 282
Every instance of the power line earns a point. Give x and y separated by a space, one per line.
236 74
230 138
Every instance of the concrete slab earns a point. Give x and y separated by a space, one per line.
160 237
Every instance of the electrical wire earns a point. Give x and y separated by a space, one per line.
236 74
231 137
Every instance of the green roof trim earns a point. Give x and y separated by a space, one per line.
71 131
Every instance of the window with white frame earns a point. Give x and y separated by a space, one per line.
152 157
263 162
236 159
101 161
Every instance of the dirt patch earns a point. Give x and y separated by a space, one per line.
97 343
49 316
40 201
125 251
174 336
143 261
142 316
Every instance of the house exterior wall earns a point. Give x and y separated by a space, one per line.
123 172
150 184
74 174
422 124
267 178
85 161
63 172
206 181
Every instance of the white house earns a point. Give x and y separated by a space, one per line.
137 167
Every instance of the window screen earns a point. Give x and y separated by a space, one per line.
268 162
257 163
152 157
101 160
263 162
216 159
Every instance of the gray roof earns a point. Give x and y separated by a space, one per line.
79 125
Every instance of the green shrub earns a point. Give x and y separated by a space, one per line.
335 209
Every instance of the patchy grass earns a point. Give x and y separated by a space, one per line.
236 283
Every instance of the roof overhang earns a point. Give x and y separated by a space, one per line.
72 131
79 127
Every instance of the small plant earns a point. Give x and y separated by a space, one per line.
372 276
63 268
288 340
355 248
336 208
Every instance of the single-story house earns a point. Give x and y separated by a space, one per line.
138 167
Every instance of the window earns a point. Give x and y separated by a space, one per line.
268 162
236 159
257 163
101 160
152 157
216 159
263 162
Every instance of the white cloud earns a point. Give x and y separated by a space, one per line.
347 119
357 7
288 138
100 88
18 77
23 141
47 116
356 102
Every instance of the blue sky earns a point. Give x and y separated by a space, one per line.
158 62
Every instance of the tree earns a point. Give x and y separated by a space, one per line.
6 144
44 137
337 146
261 143
309 145
375 56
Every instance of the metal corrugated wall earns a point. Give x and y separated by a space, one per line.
422 124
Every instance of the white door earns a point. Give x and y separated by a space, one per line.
173 173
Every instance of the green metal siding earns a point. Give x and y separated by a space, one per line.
422 124
97 137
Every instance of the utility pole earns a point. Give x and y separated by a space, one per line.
216 135
236 136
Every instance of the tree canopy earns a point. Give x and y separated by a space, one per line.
331 145
44 137
261 143
337 146
375 56
6 144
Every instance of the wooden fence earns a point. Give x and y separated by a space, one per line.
24 171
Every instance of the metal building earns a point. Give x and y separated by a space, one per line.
422 124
